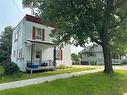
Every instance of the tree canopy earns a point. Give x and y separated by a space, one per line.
75 58
6 43
101 20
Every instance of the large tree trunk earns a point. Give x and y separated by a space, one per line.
107 54
105 38
107 59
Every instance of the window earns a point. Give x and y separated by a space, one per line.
16 36
38 54
20 53
17 53
14 53
38 34
57 54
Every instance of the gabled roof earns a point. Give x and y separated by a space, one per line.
85 49
36 19
95 49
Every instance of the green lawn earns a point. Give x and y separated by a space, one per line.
90 84
22 76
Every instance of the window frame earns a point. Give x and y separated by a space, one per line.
16 36
57 54
38 33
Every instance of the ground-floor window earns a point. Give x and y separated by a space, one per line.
59 54
14 53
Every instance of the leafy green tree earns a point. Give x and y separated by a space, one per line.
119 44
75 58
6 43
90 52
99 20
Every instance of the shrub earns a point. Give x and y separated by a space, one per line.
61 67
1 70
5 62
11 68
75 59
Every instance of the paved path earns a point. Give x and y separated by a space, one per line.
124 67
87 66
27 82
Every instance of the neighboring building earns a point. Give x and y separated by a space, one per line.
94 55
32 47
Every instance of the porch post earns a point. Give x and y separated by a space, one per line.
54 56
31 53
31 57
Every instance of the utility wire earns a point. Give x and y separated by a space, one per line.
17 7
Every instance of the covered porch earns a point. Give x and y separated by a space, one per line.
42 56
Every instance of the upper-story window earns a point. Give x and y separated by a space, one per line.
16 36
38 34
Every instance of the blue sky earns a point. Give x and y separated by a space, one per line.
11 13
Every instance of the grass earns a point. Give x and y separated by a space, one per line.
23 76
90 84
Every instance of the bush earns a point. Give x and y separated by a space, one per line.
5 62
11 68
61 67
1 70
4 59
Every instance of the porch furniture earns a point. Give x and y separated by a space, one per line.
36 65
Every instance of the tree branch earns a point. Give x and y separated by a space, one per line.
96 41
113 26
119 3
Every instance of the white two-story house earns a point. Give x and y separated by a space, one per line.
94 55
32 47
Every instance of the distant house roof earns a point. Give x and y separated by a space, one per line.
36 19
96 49
85 49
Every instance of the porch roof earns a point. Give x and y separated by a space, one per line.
40 42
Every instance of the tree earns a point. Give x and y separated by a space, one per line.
119 45
6 43
99 20
75 58
90 52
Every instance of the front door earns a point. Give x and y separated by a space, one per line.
38 56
